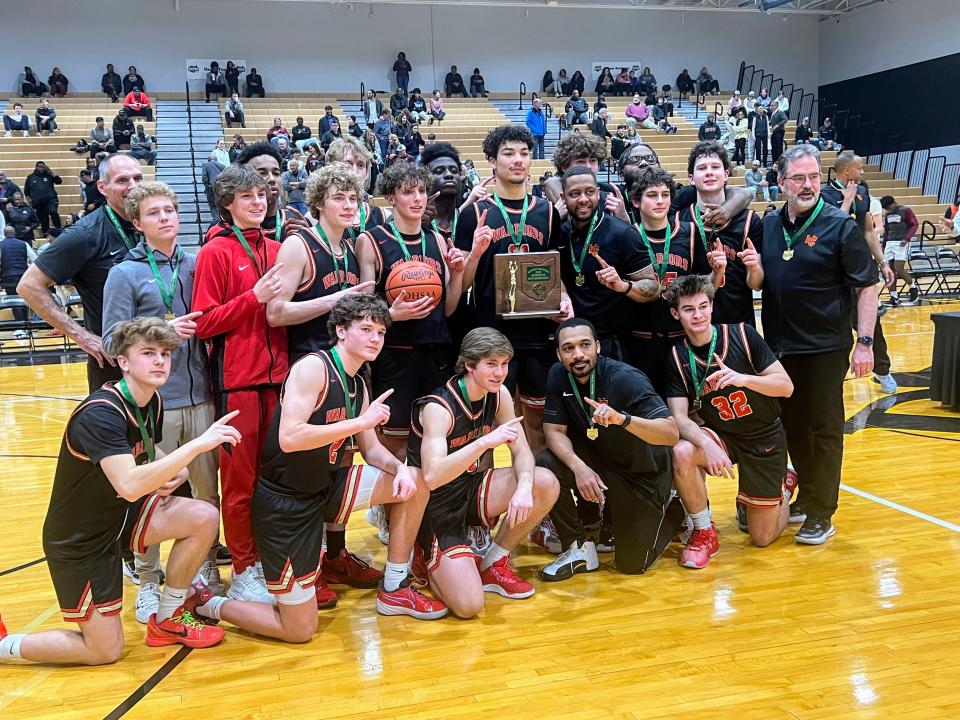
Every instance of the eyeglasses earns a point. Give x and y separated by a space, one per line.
803 179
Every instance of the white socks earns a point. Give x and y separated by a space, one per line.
393 575
494 553
10 648
701 520
212 609
170 601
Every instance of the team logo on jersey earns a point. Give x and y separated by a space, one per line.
811 240
336 415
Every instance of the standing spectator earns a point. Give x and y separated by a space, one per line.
599 126
233 111
330 135
131 80
403 69
123 130
220 152
741 134
778 128
706 82
294 183
576 110
58 83
101 139
618 144
277 131
301 135
15 257
30 84
254 84
756 182
827 136
7 188
232 76
42 193
478 87
327 120
398 103
761 134
734 103
605 83
471 178
211 171
536 123
238 145
638 112
46 118
685 84
648 82
413 141
216 83
417 107
16 120
383 128
599 104
137 104
353 127
372 107
804 133
710 130
436 108
22 218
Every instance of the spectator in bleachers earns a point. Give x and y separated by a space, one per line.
453 83
685 84
133 79
576 110
562 83
827 136
778 128
755 181
478 86
232 76
111 83
211 171
710 130
436 108
637 112
618 142
30 84
648 82
16 120
398 103
413 141
783 102
402 68
598 126
90 194
769 209
277 131
658 114
333 133
294 183
233 111
624 82
392 149
577 82
315 158
238 145
137 104
547 83
123 130
417 106
215 83
372 108
354 128
285 152
15 258
761 134
471 178
45 118
803 133
740 137
7 188
254 84
600 103
773 183
220 152
327 120
605 83
58 83
706 82
734 103
40 189
301 135
22 217
372 144
666 93
402 126
101 138
764 99
536 122
383 129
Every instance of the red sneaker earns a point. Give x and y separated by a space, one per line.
418 568
790 482
407 600
703 545
347 569
326 598
201 596
3 629
500 578
182 628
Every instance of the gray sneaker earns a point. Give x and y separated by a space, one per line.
148 601
887 383
576 559
815 531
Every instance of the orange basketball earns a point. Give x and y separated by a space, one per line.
416 279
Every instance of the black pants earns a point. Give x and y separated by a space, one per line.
20 314
813 418
760 149
215 89
238 119
47 210
644 521
739 151
146 112
255 90
881 357
776 145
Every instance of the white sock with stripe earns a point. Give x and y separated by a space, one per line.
393 575
494 553
10 648
170 601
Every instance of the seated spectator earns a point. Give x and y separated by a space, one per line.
22 218
436 107
755 181
16 120
599 125
58 83
600 103
706 83
111 83
15 258
101 139
90 194
577 82
30 84
137 104
417 106
605 83
764 99
141 146
648 82
772 187
315 157
547 83
658 113
478 86
254 84
734 103
7 188
783 103
220 153
46 118
398 103
276 131
685 84
769 209
133 79
216 83
353 127
638 112
327 119
623 82
618 143
827 136
453 83
750 101
431 138
233 111
710 130
372 108
666 93
123 130
232 76
562 83
576 110
413 141
238 146
286 152
301 135
334 133
294 184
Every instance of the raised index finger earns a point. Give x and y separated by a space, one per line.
385 395
717 360
750 244
591 402
488 181
228 417
191 315
434 196
483 217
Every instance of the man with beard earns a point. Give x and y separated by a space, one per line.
278 222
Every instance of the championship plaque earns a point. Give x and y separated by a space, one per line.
527 284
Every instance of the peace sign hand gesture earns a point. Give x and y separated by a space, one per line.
482 236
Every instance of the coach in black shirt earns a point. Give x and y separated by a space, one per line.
815 263
85 253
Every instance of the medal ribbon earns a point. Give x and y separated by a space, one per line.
698 383
453 230
517 235
659 268
247 249
790 240
116 223
363 222
166 293
699 220
403 245
278 228
144 435
347 402
578 264
336 266
576 392
462 383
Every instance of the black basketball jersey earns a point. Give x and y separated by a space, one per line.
433 328
832 192
284 230
85 514
370 217
324 277
687 257
735 411
306 472
734 301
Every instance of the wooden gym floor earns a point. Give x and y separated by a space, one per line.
866 626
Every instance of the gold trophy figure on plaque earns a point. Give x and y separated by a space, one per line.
527 284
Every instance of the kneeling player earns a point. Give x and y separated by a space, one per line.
726 375
455 430
112 489
608 434
304 480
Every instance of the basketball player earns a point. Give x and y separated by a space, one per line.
442 162
673 250
708 168
512 221
455 430
306 478
608 440
415 357
235 279
725 375
278 222
112 488
351 151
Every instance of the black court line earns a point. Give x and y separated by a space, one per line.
43 457
22 567
149 684
42 397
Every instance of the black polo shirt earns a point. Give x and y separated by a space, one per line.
859 209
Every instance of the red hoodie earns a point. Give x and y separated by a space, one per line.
246 352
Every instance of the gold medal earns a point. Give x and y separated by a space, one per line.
592 433
168 316
788 254
579 280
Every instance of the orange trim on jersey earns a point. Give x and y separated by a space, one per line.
483 498
378 258
746 345
284 583
455 391
446 406
350 491
725 332
746 228
683 375
83 609
141 524
305 285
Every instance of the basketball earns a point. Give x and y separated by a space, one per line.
416 279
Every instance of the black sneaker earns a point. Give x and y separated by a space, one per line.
742 518
815 531
606 541
914 293
130 571
223 555
797 513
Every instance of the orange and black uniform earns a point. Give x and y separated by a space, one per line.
371 216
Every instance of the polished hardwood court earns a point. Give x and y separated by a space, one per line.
865 626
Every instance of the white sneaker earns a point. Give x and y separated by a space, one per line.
209 575
148 601
19 334
8 134
378 518
249 585
545 535
576 559
479 538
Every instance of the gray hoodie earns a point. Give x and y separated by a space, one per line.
132 291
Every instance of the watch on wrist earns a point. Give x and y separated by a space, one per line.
865 340
627 417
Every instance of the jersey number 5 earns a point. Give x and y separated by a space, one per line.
736 406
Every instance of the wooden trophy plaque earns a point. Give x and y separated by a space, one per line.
527 284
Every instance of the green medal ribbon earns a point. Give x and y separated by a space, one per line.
462 383
698 383
347 402
363 222
403 245
853 206
659 268
453 230
791 239
578 264
574 385
278 228
116 223
516 236
699 220
247 249
144 435
344 284
166 292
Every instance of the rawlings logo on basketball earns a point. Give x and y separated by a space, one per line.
416 280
